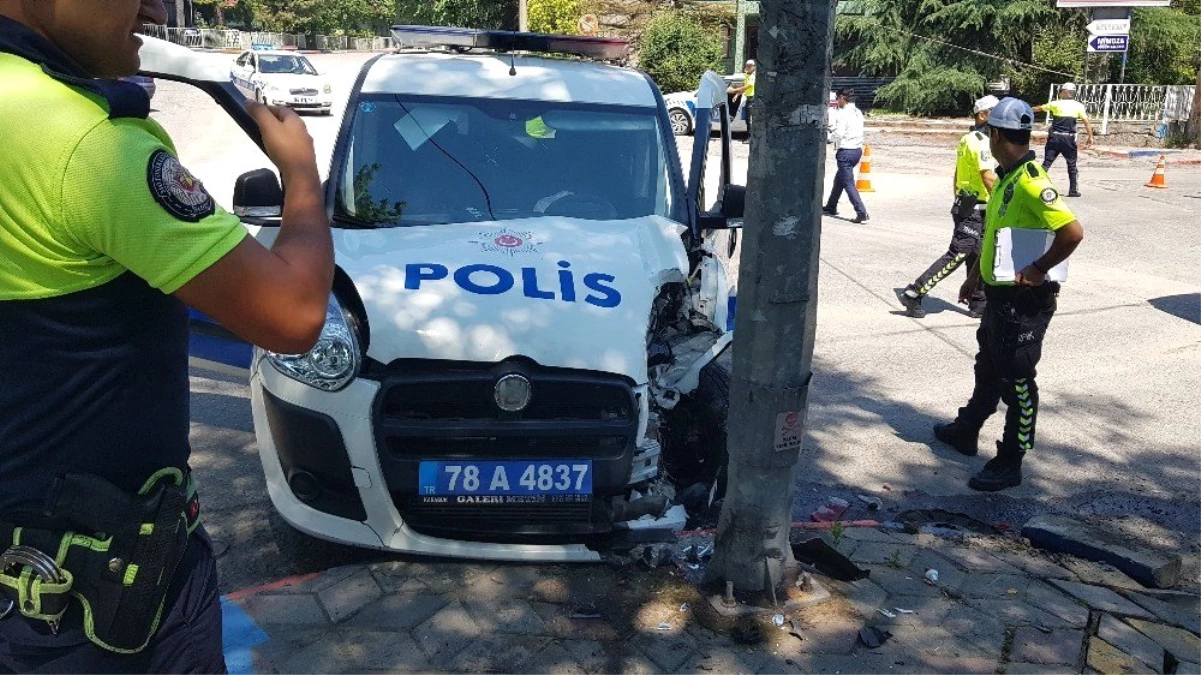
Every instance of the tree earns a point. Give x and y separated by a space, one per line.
1163 46
943 53
777 324
555 16
675 50
491 14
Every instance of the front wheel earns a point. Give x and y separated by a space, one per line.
681 123
694 438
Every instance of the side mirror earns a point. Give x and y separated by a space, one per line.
257 194
728 213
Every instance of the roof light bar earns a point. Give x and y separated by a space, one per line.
608 49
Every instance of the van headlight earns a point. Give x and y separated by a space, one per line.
333 362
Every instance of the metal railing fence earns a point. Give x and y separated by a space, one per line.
1133 102
213 38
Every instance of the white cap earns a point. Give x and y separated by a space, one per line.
985 103
1068 86
750 62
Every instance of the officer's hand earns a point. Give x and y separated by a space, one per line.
287 140
1030 276
965 291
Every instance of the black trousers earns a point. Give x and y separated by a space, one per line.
1010 340
964 248
188 639
1062 144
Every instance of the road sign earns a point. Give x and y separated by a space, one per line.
1109 27
1108 43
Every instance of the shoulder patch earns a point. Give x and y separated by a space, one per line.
177 190
1048 195
1031 170
980 136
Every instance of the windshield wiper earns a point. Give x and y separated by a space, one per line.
355 222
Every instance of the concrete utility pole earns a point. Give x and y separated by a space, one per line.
523 15
179 17
777 289
1194 124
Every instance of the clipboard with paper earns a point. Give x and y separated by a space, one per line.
1018 247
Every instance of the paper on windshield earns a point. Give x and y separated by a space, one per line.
421 123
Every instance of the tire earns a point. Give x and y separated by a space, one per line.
694 438
681 122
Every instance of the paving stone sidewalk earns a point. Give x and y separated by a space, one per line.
996 608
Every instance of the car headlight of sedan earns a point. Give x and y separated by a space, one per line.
333 362
329 89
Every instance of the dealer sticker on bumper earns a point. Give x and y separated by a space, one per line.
511 478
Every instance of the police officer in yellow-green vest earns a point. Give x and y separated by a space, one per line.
1029 234
972 185
1065 112
105 239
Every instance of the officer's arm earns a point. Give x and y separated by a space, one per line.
276 298
1067 238
1088 126
1038 108
989 178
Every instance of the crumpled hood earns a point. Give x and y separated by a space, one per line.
562 291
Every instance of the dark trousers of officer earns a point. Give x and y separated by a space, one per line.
1062 144
1010 340
844 179
188 638
964 248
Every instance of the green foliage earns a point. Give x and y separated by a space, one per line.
907 39
366 207
491 14
1164 45
676 50
555 16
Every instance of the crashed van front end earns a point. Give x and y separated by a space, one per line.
504 405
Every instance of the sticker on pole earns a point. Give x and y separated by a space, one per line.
789 430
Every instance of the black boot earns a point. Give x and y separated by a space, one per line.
912 302
1002 471
958 436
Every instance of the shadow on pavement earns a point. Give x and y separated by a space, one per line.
1186 306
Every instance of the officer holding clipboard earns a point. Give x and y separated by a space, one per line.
1029 234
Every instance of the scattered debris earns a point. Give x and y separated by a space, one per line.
673 520
886 486
695 497
943 523
872 637
804 582
873 504
820 555
886 613
684 607
586 612
778 620
932 576
655 555
1012 591
902 610
663 626
1043 629
794 629
831 511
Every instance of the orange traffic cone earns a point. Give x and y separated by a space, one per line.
864 184
1159 179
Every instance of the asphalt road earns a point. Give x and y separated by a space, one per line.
1119 434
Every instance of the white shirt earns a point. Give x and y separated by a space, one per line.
846 128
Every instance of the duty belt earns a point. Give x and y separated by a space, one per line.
1063 133
116 555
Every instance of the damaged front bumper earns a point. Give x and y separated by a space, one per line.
343 466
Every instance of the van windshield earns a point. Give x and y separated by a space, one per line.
427 160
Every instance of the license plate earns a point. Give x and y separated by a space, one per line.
301 99
511 478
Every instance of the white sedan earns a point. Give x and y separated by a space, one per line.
284 79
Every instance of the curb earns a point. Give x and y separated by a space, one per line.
271 586
1151 153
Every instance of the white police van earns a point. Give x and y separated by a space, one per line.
528 303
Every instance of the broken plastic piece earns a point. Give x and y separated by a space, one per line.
778 620
904 611
873 504
932 576
684 607
831 511
873 637
887 613
795 629
663 626
828 561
